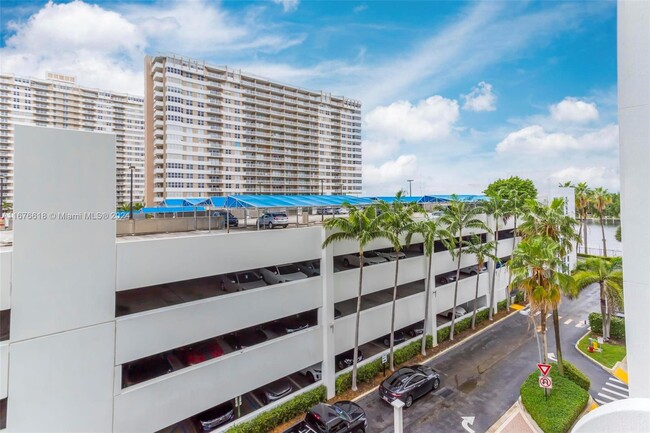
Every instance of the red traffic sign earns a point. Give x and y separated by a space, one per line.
544 368
545 382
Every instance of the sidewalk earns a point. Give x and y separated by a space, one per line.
513 421
620 371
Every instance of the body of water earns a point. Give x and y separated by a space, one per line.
595 239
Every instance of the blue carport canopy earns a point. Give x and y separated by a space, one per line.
279 201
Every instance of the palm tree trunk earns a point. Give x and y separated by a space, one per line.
542 331
478 275
609 316
580 237
603 311
392 319
494 271
602 229
584 233
514 245
356 327
426 308
558 343
453 310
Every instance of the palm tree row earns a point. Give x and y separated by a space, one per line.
394 222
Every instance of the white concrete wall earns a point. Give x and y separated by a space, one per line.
155 404
466 291
143 263
5 279
634 139
4 369
186 323
63 271
62 382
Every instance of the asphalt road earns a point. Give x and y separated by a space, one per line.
481 378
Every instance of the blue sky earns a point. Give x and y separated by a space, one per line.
454 94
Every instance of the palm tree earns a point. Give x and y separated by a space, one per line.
609 276
396 219
534 267
601 198
550 220
515 207
495 207
582 195
362 226
482 251
459 216
430 231
567 184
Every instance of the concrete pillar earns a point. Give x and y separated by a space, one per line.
328 366
634 139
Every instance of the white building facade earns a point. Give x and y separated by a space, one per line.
215 130
84 305
58 101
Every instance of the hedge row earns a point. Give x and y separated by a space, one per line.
616 328
268 420
576 376
565 403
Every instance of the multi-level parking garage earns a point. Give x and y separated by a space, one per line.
87 310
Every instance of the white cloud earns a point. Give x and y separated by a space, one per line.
480 98
288 5
535 140
390 176
606 177
431 119
574 110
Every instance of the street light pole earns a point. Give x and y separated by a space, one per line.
132 169
410 181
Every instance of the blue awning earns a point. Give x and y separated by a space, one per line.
175 209
444 198
390 199
284 201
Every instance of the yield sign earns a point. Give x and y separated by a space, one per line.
544 368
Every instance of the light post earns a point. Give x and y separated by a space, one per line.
132 169
410 181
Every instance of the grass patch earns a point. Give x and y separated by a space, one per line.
612 353
565 403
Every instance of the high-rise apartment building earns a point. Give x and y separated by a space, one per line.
60 102
214 130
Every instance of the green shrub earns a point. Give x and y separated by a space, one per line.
268 420
519 297
443 334
343 383
616 329
482 315
502 305
576 376
565 403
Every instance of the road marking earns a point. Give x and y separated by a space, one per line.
467 421
581 324
517 307
621 375
600 402
594 405
552 357
613 392
618 387
616 380
538 313
607 397
568 321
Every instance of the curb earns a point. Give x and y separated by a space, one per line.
529 419
609 370
431 358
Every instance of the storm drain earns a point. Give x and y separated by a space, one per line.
445 392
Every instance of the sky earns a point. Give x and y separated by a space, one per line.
455 94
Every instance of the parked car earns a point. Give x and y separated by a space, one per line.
199 352
435 214
471 270
326 211
460 311
273 219
415 329
391 254
409 383
275 390
215 416
446 278
246 338
369 258
290 324
145 369
311 268
239 281
340 417
399 337
228 218
313 372
344 360
282 274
